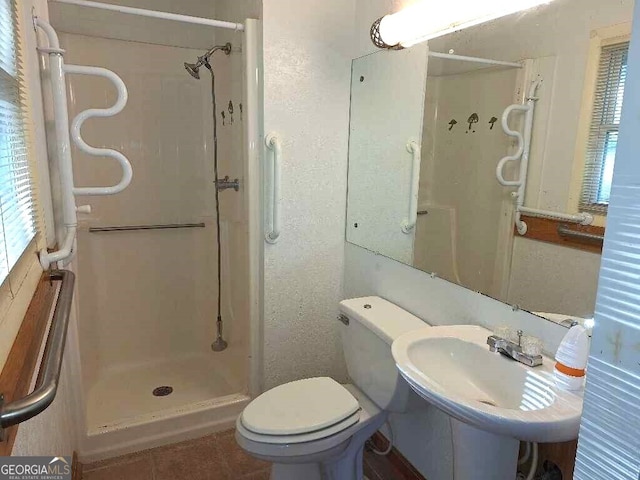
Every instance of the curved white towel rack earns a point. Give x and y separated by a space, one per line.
272 230
76 125
410 222
57 70
522 154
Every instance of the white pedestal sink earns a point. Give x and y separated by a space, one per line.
494 402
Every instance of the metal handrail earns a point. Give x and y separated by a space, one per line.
44 393
565 231
131 228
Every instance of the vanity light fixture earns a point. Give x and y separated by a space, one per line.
428 19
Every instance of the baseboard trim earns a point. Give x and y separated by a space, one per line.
401 464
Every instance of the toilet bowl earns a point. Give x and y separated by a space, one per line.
316 428
332 452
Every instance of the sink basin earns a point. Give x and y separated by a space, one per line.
494 401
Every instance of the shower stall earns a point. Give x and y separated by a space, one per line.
167 301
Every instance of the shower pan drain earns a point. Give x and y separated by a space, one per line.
162 391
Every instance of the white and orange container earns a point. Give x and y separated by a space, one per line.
571 359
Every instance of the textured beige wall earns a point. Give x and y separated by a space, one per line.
307 61
549 278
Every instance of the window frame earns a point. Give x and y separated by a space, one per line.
600 38
17 290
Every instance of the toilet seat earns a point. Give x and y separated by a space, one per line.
369 417
300 411
302 437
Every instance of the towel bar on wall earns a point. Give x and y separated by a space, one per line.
21 410
132 228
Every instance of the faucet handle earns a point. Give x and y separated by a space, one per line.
503 332
531 345
520 333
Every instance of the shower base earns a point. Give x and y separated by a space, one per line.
124 415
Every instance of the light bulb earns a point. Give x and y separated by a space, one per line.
433 18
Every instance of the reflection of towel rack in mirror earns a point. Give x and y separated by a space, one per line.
522 157
565 231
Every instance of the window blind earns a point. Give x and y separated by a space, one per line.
17 225
603 133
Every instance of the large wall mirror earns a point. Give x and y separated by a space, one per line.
512 205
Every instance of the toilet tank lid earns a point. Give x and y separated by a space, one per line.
384 318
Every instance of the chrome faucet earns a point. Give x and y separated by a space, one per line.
513 350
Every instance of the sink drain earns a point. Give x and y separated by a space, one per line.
488 402
162 391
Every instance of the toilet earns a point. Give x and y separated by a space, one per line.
316 428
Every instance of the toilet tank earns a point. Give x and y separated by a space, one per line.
369 327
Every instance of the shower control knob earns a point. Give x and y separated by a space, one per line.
225 183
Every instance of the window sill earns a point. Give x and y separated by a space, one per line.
21 364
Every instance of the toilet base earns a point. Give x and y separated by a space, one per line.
335 457
348 465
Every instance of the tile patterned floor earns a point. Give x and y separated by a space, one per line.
216 457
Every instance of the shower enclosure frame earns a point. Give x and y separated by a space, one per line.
155 433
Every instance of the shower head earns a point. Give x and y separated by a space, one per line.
193 68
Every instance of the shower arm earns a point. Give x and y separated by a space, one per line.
226 48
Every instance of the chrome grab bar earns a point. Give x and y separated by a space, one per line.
21 410
131 228
565 231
